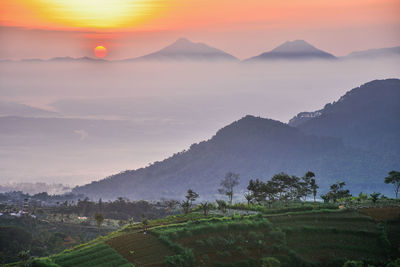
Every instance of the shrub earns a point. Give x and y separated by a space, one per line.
270 262
185 259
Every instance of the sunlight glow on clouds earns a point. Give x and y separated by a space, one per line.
178 14
88 13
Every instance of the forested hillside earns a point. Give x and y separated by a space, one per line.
351 141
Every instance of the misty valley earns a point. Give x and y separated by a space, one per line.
190 156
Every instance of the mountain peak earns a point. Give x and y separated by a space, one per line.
254 126
183 40
184 45
295 46
290 50
184 49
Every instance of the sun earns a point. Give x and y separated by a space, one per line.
100 51
99 14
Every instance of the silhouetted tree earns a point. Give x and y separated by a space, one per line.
99 220
185 206
257 189
375 196
305 186
394 178
248 197
314 187
336 192
205 206
191 196
228 183
284 187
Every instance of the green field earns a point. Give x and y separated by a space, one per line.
295 238
99 254
141 249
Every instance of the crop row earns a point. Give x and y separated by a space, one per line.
97 255
82 252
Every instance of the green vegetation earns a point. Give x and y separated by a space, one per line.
230 181
394 178
98 254
282 187
276 227
289 236
337 191
140 249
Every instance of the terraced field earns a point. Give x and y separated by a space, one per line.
393 229
141 249
382 214
99 255
231 244
341 220
319 238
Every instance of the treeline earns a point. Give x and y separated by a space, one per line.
285 188
39 199
120 209
282 187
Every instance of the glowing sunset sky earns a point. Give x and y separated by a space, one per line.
243 28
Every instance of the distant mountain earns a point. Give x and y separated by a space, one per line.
366 117
374 53
354 139
16 109
185 50
293 50
35 188
64 59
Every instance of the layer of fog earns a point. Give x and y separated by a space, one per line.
131 114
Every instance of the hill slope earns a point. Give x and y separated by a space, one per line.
317 237
185 50
258 148
293 50
365 117
374 53
16 109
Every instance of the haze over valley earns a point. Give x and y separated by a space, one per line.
73 122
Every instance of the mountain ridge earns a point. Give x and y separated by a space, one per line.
289 50
375 52
256 147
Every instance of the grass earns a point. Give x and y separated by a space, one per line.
382 214
324 236
393 233
346 220
315 236
294 236
99 255
141 249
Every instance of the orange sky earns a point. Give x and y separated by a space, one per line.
218 21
